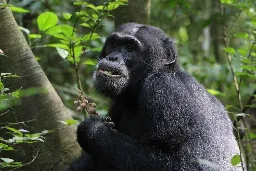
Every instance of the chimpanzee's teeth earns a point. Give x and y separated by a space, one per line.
110 73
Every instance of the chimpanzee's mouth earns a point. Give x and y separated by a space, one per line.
110 72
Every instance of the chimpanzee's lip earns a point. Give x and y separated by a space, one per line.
109 72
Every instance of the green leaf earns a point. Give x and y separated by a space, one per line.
62 29
112 6
215 92
67 16
92 7
18 9
5 147
246 60
34 36
252 135
86 25
58 45
100 7
7 160
242 74
249 67
236 159
242 52
227 1
46 20
90 36
230 50
1 86
37 58
78 3
70 122
15 131
9 75
242 115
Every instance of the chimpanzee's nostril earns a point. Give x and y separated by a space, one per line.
113 58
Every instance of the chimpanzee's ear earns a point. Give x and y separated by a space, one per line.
170 48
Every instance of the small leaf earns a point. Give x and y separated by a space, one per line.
58 45
246 60
86 25
62 52
18 9
92 7
13 130
1 86
37 58
24 29
95 16
112 6
242 115
242 52
23 130
67 16
46 20
34 36
236 159
63 122
100 7
69 122
90 37
7 160
230 50
215 92
227 1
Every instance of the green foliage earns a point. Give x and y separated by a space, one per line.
46 20
236 159
16 136
9 163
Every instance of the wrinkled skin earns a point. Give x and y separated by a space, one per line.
164 119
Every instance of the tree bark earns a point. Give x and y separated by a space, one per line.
45 110
136 11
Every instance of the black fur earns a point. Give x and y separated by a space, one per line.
164 119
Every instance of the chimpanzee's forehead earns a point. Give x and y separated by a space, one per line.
128 28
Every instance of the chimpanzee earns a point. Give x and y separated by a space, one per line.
164 119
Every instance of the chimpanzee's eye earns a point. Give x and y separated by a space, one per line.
113 43
130 48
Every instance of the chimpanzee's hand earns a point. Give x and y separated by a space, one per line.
90 131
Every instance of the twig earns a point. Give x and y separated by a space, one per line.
28 162
4 113
17 123
234 77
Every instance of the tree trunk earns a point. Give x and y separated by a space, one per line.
136 11
45 110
